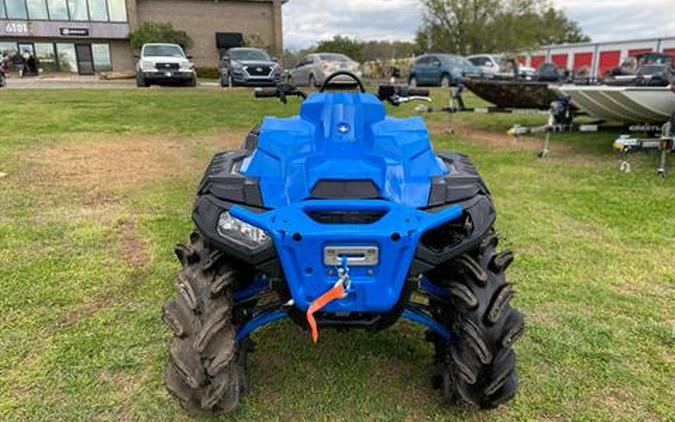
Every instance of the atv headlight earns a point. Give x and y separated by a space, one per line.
240 231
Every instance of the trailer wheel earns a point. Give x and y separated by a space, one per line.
478 364
206 368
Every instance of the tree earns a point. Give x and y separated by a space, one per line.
373 50
151 32
479 26
345 45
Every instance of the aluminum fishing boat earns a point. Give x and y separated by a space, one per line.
625 104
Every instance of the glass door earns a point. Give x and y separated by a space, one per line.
28 59
85 59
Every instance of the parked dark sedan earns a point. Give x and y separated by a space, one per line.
249 67
440 70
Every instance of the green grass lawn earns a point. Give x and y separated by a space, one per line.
99 189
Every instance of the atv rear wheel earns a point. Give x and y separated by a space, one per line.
478 364
207 367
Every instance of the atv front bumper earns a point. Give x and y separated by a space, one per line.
302 264
379 253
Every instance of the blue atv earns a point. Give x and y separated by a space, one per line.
334 218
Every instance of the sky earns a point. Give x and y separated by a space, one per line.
308 21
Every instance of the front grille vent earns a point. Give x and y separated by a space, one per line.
167 66
346 217
258 70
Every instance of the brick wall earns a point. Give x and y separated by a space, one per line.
201 19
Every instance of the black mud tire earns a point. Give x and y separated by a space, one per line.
206 369
478 365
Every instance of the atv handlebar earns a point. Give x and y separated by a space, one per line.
394 94
399 94
281 91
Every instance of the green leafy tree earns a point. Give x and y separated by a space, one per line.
478 26
373 50
151 32
345 45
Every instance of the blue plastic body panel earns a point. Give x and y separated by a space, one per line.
343 136
300 242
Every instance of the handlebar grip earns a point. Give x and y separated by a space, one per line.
418 92
266 93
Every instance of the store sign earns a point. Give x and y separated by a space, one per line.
74 32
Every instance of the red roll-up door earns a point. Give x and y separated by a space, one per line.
608 60
560 60
583 60
670 52
636 52
537 60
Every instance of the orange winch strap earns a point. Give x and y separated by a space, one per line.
336 292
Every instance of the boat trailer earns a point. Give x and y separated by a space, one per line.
665 144
561 115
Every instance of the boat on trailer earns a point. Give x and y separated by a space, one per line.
624 104
534 92
513 94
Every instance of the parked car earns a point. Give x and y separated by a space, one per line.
494 64
313 69
248 67
164 64
439 70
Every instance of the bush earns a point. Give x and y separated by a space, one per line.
207 72
151 32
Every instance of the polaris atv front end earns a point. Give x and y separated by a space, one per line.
334 218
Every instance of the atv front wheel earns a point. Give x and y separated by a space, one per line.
207 367
478 364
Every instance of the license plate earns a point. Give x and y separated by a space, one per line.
168 74
356 255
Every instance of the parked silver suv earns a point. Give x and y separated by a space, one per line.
250 67
164 64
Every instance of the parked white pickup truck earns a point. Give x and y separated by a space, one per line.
164 64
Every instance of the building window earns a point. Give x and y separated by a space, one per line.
37 9
8 47
58 10
44 52
67 57
16 9
78 10
101 53
98 10
118 10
